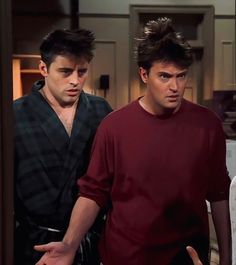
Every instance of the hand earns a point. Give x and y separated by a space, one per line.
194 256
57 253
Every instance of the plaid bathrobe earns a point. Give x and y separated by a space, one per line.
47 165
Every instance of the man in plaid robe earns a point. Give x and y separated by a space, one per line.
54 129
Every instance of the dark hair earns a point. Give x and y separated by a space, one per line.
162 43
79 42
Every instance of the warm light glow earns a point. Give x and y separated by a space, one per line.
17 85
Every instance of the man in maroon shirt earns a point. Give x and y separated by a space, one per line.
154 164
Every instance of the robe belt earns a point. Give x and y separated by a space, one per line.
49 229
30 223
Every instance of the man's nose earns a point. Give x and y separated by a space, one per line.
75 79
174 84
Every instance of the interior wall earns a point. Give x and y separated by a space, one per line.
225 56
109 19
112 46
122 6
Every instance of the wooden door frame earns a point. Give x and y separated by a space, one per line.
207 38
6 143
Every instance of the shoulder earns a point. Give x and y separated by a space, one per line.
23 115
93 98
201 113
28 99
20 103
121 115
97 103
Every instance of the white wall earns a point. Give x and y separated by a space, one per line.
222 7
112 41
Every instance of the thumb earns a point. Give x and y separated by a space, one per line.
194 256
45 247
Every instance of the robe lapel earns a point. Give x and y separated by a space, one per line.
49 122
81 132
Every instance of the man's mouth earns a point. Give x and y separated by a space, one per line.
173 97
72 92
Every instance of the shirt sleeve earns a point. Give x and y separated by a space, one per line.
97 182
219 181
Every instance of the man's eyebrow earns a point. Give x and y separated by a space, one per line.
71 69
166 73
183 72
170 74
83 69
65 68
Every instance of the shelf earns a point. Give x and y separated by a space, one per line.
29 71
25 73
26 56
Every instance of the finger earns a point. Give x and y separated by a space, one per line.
194 256
43 248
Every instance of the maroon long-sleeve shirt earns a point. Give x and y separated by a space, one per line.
156 174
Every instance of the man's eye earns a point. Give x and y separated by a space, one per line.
82 72
182 76
66 72
164 76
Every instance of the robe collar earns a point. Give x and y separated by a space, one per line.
70 149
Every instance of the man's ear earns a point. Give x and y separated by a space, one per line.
143 74
43 69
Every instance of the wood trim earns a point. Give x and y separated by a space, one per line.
227 63
225 16
186 9
26 56
6 143
105 15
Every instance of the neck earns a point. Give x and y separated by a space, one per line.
153 108
65 112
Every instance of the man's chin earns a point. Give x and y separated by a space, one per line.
69 102
173 106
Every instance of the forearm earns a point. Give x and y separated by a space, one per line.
221 219
83 216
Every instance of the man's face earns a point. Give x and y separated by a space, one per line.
64 79
165 86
